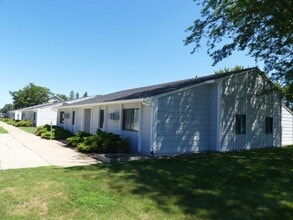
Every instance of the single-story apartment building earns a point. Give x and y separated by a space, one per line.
41 114
15 114
18 114
221 112
44 113
287 126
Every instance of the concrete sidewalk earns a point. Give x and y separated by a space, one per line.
19 149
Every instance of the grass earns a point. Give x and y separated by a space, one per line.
3 131
31 130
245 185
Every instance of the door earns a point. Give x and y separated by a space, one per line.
87 120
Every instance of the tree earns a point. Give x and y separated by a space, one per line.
264 28
227 69
71 95
77 95
29 96
6 108
62 96
85 94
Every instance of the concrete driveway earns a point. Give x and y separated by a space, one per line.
19 149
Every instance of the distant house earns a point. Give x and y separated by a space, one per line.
287 126
15 114
44 113
223 112
41 114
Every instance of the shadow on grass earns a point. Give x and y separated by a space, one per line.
243 185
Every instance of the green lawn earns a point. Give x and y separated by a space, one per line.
245 185
3 131
31 130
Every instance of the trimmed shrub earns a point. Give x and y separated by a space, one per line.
78 138
61 133
8 121
18 123
103 142
58 133
23 123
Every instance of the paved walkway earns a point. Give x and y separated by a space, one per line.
19 149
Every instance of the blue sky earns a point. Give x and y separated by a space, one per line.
99 46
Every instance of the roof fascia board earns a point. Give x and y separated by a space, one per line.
288 109
102 103
212 81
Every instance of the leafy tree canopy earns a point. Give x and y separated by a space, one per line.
29 96
263 27
62 96
85 94
6 108
227 69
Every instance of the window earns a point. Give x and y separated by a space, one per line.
131 119
61 120
240 124
269 125
73 117
102 118
35 115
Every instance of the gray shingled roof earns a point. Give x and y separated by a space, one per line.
150 91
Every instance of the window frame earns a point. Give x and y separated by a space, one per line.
269 125
62 117
73 118
102 118
240 124
130 121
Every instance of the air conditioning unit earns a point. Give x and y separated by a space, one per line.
114 116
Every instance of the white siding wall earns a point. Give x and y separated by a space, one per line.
287 127
113 125
213 120
184 121
253 96
46 116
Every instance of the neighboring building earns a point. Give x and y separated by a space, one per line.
45 113
287 126
41 114
14 114
223 112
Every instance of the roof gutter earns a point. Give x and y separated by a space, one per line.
141 100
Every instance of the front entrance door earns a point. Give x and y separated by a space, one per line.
87 120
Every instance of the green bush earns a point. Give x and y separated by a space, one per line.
23 123
42 129
18 123
58 133
77 139
103 142
47 135
8 121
